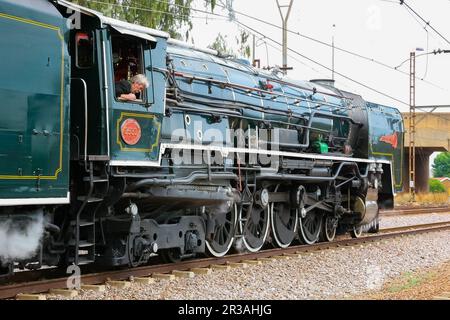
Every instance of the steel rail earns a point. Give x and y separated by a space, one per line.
10 291
412 211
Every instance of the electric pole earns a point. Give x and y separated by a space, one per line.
284 19
254 51
333 53
412 128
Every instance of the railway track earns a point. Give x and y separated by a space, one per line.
414 211
34 282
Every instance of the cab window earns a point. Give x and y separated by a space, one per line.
84 55
128 61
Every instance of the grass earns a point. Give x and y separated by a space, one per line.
423 199
409 280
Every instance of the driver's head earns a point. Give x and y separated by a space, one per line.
139 83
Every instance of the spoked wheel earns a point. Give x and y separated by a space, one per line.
224 230
284 222
255 228
310 227
356 232
329 228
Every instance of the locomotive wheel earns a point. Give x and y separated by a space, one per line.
284 222
310 227
224 230
255 229
356 232
329 228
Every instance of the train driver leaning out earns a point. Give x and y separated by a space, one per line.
131 90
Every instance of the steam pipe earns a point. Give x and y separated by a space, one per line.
186 180
296 177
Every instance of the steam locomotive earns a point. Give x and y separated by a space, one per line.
216 155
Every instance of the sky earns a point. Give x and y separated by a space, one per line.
378 29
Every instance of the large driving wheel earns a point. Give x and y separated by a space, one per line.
254 226
224 230
284 221
310 227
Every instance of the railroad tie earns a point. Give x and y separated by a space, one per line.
147 280
281 257
201 271
22 296
235 265
119 284
267 259
220 267
183 274
64 292
293 255
163 276
253 262
94 287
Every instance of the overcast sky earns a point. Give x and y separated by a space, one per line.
379 29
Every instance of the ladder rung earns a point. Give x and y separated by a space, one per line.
89 200
84 260
98 158
81 244
83 223
95 179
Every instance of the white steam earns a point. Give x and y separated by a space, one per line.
20 240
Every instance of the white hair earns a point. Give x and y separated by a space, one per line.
140 79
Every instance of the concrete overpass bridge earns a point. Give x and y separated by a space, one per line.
432 135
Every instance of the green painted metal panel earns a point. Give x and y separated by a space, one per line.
147 149
386 138
149 117
33 101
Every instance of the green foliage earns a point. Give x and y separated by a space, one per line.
441 166
436 186
166 15
222 46
171 16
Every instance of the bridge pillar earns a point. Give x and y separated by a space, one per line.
422 169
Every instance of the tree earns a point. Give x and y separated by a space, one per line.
166 15
436 186
171 16
441 166
222 46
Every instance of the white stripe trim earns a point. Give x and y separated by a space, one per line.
225 151
34 201
126 163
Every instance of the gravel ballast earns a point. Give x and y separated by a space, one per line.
329 274
408 220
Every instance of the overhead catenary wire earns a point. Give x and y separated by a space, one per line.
428 23
325 67
338 48
360 56
338 73
272 40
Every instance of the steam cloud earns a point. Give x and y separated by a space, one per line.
19 240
